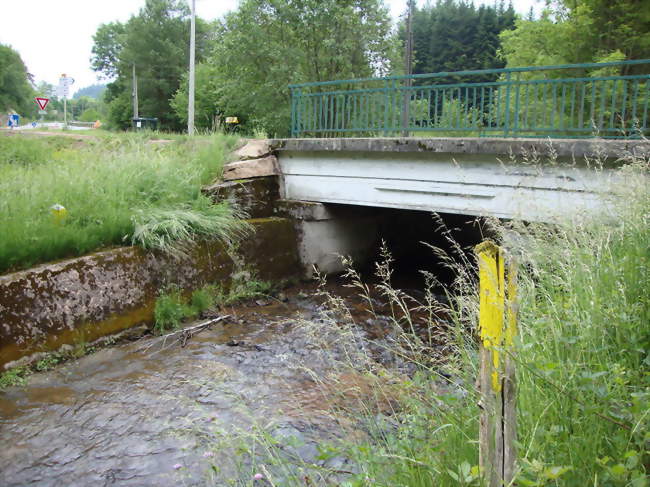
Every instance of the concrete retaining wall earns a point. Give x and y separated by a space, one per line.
103 293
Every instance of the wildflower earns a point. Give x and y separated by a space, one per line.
177 466
208 454
258 476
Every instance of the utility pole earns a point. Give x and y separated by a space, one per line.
408 69
135 94
190 102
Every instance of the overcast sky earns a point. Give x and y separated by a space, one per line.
55 36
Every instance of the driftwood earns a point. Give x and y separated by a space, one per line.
181 336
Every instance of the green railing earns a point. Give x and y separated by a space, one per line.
573 100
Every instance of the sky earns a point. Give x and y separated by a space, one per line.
55 36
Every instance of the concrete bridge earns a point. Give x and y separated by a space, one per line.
529 179
336 186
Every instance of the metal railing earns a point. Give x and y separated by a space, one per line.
573 100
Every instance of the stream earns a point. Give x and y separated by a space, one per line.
153 412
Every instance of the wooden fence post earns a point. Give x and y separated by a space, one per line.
496 380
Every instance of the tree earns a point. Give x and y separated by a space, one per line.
580 31
454 35
156 42
95 91
265 45
16 91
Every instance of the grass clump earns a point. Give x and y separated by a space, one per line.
14 377
116 189
26 151
244 288
169 311
172 307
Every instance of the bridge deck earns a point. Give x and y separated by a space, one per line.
531 179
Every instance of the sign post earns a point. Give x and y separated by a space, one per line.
42 103
63 91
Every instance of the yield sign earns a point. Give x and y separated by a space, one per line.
42 102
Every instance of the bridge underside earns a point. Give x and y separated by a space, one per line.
531 180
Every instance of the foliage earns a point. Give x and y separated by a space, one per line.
172 307
156 42
169 311
583 397
16 91
13 377
244 286
26 152
95 91
579 31
175 230
203 299
303 40
455 35
110 186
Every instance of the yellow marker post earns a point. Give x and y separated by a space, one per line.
58 213
497 329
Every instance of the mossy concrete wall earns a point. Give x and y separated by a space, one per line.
103 293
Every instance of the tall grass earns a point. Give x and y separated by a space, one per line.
582 365
117 189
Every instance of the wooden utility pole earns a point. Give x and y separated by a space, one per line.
190 102
408 69
135 94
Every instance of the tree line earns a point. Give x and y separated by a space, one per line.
247 59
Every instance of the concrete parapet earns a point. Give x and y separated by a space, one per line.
613 149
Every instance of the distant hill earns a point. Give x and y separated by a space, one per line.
93 91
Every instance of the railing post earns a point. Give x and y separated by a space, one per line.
293 112
496 380
517 107
406 107
386 107
507 117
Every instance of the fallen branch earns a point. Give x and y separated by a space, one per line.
183 334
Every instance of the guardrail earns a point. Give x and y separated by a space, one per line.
573 100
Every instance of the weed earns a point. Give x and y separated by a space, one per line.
48 362
243 288
170 310
14 377
203 299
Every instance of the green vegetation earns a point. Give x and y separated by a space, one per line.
172 307
14 377
579 31
155 42
311 40
455 35
17 376
116 191
15 83
170 310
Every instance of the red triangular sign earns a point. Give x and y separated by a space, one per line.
42 102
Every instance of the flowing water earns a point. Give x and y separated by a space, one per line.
154 413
